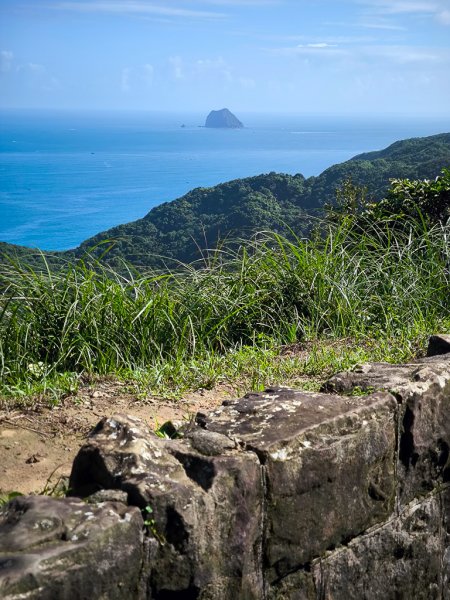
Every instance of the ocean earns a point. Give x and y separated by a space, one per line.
65 176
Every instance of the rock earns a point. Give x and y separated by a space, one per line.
107 496
223 118
210 443
329 466
34 458
299 585
370 377
282 495
206 511
69 550
402 559
422 389
438 344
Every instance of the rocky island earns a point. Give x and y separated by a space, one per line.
223 118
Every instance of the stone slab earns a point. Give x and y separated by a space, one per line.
329 464
402 559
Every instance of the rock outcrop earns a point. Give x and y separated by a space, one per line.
66 548
201 504
223 119
343 494
328 463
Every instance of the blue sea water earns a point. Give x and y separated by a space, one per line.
65 176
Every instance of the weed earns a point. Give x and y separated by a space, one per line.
5 498
167 431
59 488
150 524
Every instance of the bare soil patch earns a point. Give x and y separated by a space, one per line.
37 446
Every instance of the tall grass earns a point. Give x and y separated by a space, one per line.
380 284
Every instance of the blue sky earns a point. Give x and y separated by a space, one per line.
304 56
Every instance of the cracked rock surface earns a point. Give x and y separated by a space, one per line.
205 506
329 465
422 390
279 495
64 548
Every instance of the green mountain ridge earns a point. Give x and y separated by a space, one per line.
181 229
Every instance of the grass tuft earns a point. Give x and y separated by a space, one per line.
348 296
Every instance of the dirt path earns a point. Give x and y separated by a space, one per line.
37 447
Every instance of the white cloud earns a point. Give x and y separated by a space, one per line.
208 63
379 23
368 56
132 78
437 8
35 68
444 17
37 76
247 83
216 72
407 54
176 63
319 49
135 7
218 65
318 45
397 7
6 60
243 2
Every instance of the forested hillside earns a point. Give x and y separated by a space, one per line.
236 209
375 273
276 202
181 229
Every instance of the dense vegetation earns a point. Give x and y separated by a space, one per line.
380 287
426 201
181 229
370 281
272 202
178 230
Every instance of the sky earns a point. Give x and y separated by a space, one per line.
297 56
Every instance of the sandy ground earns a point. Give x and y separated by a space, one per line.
37 447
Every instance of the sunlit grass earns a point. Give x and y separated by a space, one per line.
348 296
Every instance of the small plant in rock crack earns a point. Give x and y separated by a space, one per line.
150 524
5 498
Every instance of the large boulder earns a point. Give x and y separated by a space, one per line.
407 557
279 495
401 559
329 465
205 499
